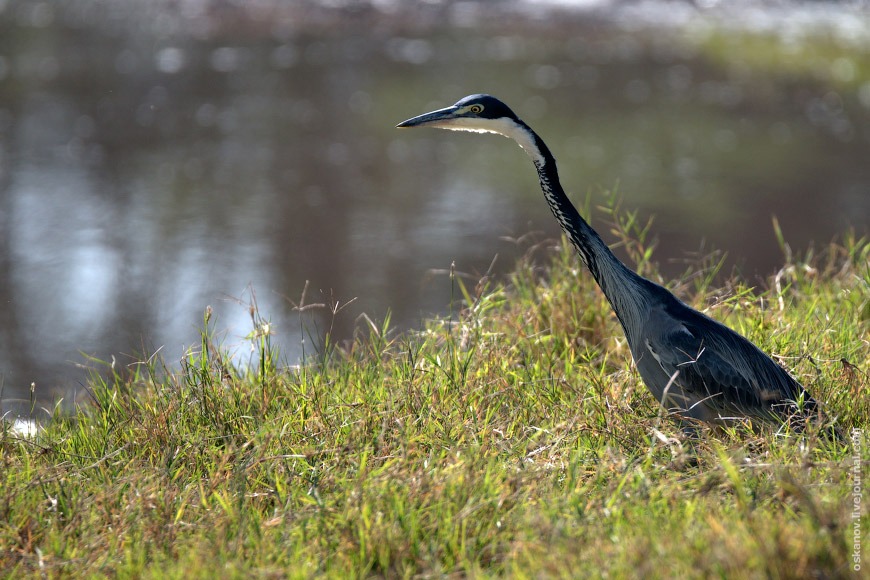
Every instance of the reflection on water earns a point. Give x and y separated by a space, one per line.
154 162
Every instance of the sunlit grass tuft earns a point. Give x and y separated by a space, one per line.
512 439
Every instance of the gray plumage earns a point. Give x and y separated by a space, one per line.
693 365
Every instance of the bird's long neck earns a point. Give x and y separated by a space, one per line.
616 281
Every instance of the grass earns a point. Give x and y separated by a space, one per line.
836 60
514 439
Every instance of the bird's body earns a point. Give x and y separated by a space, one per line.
693 365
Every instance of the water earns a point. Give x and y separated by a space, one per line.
157 159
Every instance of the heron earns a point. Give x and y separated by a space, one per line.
696 368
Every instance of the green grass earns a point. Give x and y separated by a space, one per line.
515 440
838 61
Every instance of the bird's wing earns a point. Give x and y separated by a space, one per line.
704 373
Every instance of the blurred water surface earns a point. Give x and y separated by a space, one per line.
157 158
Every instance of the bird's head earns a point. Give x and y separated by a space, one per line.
482 114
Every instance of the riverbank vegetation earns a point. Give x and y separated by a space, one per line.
512 438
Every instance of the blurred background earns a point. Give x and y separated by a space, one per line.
160 157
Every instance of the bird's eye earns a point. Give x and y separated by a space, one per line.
475 109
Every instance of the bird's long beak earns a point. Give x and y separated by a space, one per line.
433 119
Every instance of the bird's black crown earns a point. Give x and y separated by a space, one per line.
490 107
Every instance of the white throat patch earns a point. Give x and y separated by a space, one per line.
502 126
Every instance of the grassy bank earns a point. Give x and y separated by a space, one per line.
516 440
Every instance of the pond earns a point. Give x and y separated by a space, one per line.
160 158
